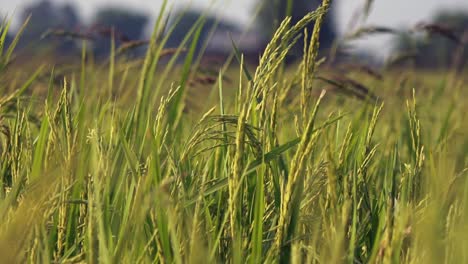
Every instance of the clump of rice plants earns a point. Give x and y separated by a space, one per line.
114 164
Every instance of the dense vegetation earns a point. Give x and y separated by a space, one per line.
141 161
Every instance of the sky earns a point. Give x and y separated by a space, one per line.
392 13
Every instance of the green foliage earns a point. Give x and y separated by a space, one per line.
113 164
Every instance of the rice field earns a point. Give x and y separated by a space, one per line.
138 161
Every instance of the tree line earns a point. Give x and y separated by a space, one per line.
444 43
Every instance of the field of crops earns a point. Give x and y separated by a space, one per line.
130 161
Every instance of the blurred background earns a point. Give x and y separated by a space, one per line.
428 30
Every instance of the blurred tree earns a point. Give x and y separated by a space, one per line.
444 45
9 36
183 21
123 24
273 12
8 40
46 16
